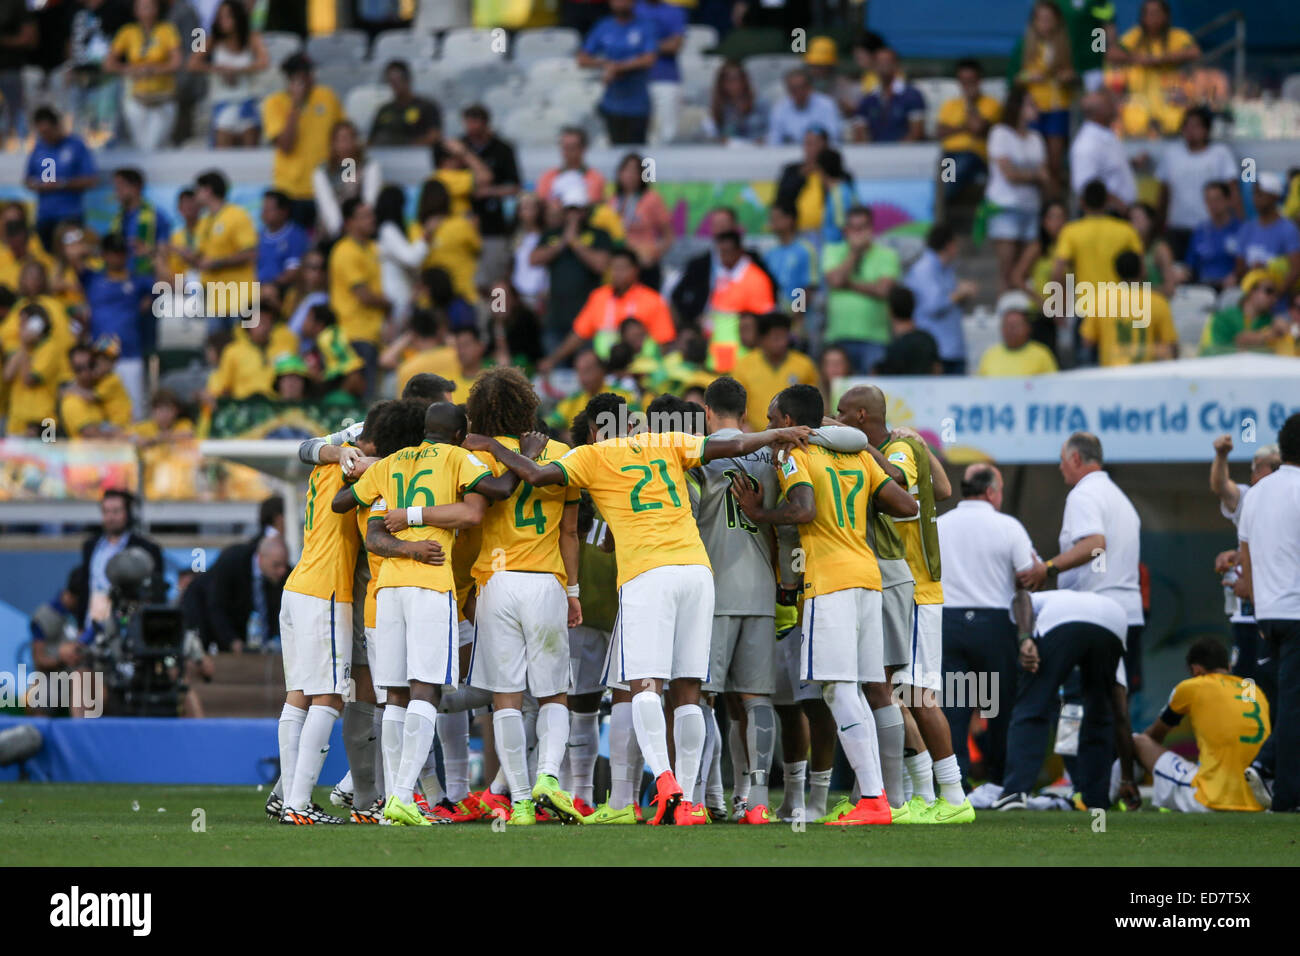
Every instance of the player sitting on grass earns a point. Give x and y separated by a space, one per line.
1230 718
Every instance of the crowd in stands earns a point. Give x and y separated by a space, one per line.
334 293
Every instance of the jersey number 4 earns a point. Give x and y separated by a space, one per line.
523 519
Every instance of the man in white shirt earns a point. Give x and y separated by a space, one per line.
1185 167
1097 153
803 109
1269 532
1056 632
1099 543
983 551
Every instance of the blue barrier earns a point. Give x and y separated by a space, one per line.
161 751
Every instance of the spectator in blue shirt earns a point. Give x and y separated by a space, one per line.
665 76
802 109
281 246
792 263
59 170
895 111
120 306
1212 249
624 48
1270 236
138 221
939 296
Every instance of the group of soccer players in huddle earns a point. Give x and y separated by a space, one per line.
787 575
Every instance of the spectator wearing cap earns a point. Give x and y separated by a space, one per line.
356 288
622 298
149 51
490 197
454 242
624 47
1187 165
1211 255
963 129
736 113
1251 324
291 378
573 159
802 109
60 169
859 272
1097 154
940 296
575 254
669 21
1270 241
895 112
771 367
297 121
234 56
912 351
407 119
1017 355
822 62
120 307
137 220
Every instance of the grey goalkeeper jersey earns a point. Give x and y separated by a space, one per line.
744 578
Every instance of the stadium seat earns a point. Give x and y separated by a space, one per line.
909 247
765 69
1228 298
466 46
1291 88
542 74
343 78
280 46
549 42
699 37
340 47
363 103
994 86
415 48
1200 296
476 80
698 73
435 15
690 124
530 126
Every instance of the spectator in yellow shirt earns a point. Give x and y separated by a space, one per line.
18 244
454 242
771 367
963 129
183 244
166 421
149 52
356 290
81 412
1087 248
421 348
1136 324
1017 354
225 250
471 350
32 375
33 290
110 391
298 121
246 367
459 169
1154 52
336 362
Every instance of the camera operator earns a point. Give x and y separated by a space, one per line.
117 512
58 640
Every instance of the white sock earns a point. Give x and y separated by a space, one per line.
909 791
739 761
584 748
499 785
651 731
552 736
289 731
390 739
512 744
430 785
625 761
819 791
795 774
418 732
313 747
948 773
857 734
712 772
921 769
688 735
889 733
760 742
453 734
346 784
377 728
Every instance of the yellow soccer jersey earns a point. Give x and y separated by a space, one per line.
639 485
928 590
329 541
522 533
427 475
464 555
1230 728
836 553
377 510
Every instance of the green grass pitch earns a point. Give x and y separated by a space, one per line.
96 825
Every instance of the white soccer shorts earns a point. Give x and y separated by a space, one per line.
664 626
924 667
521 639
417 637
316 643
843 637
588 647
1175 784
